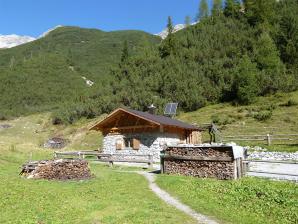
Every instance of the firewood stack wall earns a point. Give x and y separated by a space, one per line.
62 169
204 162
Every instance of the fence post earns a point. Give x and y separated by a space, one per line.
150 161
268 139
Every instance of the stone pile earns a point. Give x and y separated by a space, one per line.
62 169
55 143
5 126
263 155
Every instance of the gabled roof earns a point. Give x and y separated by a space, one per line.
157 119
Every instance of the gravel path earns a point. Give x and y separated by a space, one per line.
274 170
173 201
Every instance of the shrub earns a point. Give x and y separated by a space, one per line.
270 107
263 115
290 103
3 117
215 119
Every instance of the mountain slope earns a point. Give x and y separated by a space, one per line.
48 72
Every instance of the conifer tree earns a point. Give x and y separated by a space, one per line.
170 27
124 53
187 21
217 7
203 10
169 46
232 8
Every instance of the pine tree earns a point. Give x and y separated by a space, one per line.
245 84
170 27
187 21
124 54
232 8
203 10
169 45
217 7
260 11
268 60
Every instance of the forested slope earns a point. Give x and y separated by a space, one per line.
232 54
47 73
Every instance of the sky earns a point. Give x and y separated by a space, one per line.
33 17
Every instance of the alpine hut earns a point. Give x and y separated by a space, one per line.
132 132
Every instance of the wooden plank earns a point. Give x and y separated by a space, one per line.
199 158
131 127
126 160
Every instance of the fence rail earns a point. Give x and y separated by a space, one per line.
268 138
105 157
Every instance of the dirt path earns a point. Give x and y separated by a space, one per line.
173 201
274 170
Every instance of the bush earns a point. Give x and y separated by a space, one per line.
215 119
290 103
3 117
263 115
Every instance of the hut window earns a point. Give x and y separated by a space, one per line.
132 143
128 142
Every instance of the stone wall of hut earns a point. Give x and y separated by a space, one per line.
150 143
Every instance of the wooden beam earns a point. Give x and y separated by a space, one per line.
161 129
131 127
200 158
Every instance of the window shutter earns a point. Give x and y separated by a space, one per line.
135 144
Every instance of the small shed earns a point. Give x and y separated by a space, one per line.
134 132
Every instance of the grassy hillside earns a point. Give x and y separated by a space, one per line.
47 73
276 114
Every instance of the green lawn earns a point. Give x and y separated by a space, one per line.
110 197
246 201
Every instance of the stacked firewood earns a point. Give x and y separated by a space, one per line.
200 151
203 169
204 162
61 169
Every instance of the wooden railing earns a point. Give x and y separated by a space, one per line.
104 157
269 138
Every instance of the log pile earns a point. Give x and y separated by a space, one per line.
204 162
200 151
61 169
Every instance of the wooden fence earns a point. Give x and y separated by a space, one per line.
104 157
269 138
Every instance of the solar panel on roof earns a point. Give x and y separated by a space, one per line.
170 109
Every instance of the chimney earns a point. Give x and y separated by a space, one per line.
151 109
